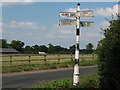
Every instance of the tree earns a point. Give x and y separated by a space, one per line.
65 50
72 49
89 48
16 44
109 56
56 49
35 48
3 43
51 48
27 48
43 48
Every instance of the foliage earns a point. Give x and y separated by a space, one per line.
88 82
109 56
89 48
35 48
43 48
57 49
72 49
3 43
51 49
16 44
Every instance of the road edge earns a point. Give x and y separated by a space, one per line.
47 70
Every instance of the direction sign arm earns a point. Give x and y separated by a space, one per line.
88 13
67 14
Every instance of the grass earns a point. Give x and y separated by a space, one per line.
13 68
16 59
42 65
24 59
88 82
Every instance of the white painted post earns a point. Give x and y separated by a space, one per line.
78 14
76 67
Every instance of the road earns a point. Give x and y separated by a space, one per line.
28 80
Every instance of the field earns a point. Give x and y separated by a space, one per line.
18 63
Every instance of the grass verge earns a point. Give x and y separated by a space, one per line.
88 82
34 67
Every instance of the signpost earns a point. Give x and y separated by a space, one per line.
86 13
63 22
77 14
67 14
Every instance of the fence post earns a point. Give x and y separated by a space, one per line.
11 59
29 60
93 56
45 58
82 56
59 58
71 57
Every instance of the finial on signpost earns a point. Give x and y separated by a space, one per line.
78 7
78 4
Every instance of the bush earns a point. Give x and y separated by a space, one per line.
109 56
88 82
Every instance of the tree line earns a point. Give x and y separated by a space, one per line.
51 49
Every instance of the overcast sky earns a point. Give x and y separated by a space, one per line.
37 22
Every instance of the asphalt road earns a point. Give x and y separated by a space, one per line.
28 80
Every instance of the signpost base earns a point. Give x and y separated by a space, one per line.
76 75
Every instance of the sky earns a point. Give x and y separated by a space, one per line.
38 22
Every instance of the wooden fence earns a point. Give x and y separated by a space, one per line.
44 58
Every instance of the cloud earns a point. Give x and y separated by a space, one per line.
14 35
17 1
61 33
3 31
66 31
8 3
107 11
74 9
71 10
104 24
0 26
99 11
67 34
24 25
90 35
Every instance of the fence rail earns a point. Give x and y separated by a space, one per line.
46 57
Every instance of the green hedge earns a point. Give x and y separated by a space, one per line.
109 56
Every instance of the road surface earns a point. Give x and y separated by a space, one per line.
28 80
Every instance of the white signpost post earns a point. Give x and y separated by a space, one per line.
77 14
